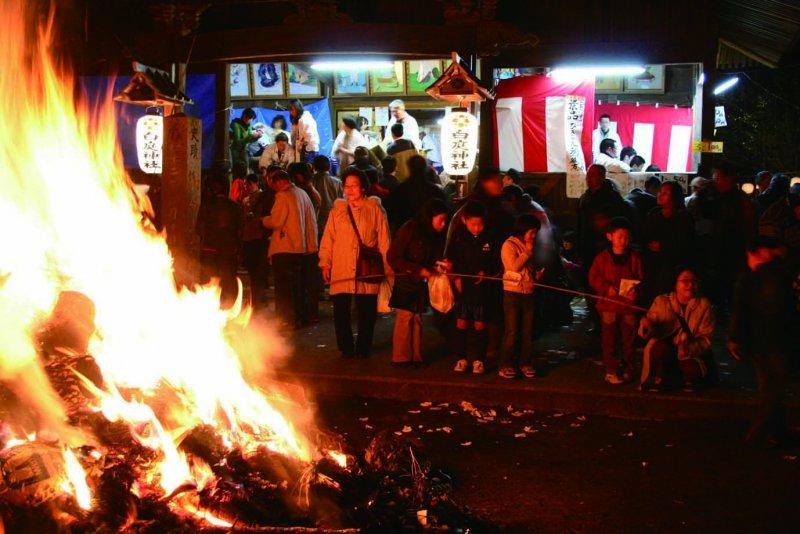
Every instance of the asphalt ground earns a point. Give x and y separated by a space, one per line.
532 471
568 362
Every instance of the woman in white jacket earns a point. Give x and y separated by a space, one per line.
338 257
519 277
305 137
346 142
678 326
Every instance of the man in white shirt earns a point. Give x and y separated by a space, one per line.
400 116
278 153
430 148
608 157
603 131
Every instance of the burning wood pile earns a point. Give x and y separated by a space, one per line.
127 403
123 480
118 482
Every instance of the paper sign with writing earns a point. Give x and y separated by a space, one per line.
459 143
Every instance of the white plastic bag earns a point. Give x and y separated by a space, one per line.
384 294
441 293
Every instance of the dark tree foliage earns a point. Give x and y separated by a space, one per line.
763 115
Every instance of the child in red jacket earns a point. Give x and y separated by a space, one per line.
615 274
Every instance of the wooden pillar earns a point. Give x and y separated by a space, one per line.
180 194
222 118
712 76
486 132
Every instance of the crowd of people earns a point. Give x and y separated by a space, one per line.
657 267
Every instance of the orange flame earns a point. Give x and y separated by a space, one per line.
72 220
76 480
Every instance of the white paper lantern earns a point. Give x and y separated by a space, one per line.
150 143
459 143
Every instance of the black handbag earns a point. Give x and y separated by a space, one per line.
369 264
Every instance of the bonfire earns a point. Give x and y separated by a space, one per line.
128 402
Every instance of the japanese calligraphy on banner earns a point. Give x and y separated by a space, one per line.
150 143
574 107
459 143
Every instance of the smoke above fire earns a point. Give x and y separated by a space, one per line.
72 221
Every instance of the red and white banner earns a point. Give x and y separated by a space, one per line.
662 136
542 125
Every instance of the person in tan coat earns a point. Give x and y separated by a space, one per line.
338 256
293 221
678 326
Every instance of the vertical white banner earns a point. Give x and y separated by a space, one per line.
680 141
643 140
510 145
555 129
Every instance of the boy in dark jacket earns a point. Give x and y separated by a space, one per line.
473 251
615 274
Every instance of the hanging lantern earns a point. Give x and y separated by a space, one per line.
150 143
459 142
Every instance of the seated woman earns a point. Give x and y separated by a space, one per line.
678 326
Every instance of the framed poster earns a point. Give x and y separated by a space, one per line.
421 74
238 80
389 81
350 82
650 81
301 81
267 79
604 85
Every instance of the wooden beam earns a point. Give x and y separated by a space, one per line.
298 43
747 53
545 55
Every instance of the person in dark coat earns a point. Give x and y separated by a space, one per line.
782 221
600 203
407 198
362 162
414 255
733 226
475 252
254 239
643 202
489 193
763 330
668 239
219 225
777 190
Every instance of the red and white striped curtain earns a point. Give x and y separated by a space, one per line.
661 135
542 125
536 127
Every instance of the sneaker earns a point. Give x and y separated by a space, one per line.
528 371
477 367
652 387
506 372
689 387
461 366
613 379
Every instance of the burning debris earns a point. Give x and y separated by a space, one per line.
112 485
126 402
